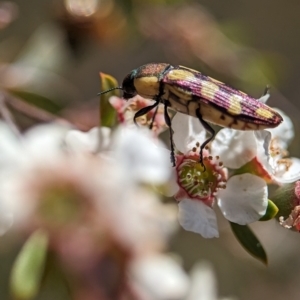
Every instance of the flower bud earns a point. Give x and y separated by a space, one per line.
287 199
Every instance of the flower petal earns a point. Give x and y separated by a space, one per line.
10 145
172 186
264 98
244 200
187 131
78 141
197 217
291 174
45 140
263 139
160 277
235 148
203 285
284 133
141 158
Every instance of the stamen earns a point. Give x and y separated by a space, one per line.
285 162
198 183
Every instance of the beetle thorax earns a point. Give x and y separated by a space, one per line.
147 80
147 86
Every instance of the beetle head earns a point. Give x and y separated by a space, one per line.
128 88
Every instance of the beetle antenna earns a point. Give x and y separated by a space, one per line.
115 88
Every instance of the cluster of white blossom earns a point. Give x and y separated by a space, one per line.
239 167
91 193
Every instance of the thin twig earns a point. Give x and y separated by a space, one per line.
34 112
7 116
29 109
100 133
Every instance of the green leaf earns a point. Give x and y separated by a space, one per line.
107 112
29 266
271 211
284 198
249 241
38 100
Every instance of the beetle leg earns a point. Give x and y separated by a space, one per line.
153 118
143 111
169 123
212 133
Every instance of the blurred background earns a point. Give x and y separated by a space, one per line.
51 53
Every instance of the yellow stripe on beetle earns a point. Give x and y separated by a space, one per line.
235 106
262 112
209 89
179 75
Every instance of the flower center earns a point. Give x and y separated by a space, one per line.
276 150
59 205
198 183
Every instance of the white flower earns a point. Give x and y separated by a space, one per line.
142 157
237 148
203 283
88 142
92 207
284 169
50 170
263 152
242 199
284 133
287 170
38 143
160 277
126 111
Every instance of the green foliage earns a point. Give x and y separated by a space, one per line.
29 267
107 112
249 241
285 199
39 101
271 211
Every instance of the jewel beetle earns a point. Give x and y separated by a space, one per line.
190 92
